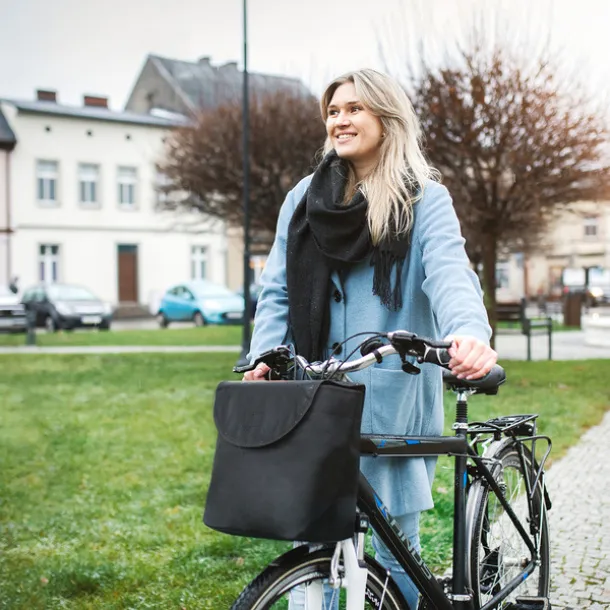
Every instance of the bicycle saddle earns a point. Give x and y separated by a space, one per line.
486 385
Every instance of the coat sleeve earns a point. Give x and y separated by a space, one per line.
450 284
271 319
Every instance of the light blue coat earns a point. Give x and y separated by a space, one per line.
442 296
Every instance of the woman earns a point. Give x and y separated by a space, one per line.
370 242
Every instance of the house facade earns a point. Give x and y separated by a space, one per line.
575 249
79 203
167 85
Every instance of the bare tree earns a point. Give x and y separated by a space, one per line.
512 144
203 162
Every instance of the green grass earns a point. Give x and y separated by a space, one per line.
207 335
104 463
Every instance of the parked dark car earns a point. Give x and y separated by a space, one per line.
12 312
66 307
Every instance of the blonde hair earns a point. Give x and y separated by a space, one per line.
399 178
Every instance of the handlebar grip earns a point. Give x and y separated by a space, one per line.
439 356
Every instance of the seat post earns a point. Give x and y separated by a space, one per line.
461 407
460 595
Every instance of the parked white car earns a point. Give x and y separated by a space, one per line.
12 312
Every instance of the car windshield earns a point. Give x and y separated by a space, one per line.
212 291
70 293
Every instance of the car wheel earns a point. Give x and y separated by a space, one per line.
105 326
51 325
162 320
199 319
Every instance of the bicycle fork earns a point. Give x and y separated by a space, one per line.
350 574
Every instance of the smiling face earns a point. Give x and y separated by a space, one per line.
355 132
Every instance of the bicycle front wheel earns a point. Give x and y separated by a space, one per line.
497 552
302 573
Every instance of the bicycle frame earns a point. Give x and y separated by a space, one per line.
389 532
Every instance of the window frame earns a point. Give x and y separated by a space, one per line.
96 202
196 262
590 222
49 261
54 178
129 182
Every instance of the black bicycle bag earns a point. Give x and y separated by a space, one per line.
286 464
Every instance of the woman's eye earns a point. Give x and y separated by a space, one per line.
356 108
332 113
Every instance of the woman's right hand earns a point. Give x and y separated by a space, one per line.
258 374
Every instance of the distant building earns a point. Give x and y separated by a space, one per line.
579 238
166 87
79 203
185 87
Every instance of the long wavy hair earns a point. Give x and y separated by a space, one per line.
399 178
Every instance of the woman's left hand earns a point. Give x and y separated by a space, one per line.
470 357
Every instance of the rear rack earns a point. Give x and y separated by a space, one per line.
508 425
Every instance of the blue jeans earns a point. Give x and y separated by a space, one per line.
409 524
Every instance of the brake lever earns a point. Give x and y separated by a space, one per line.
275 358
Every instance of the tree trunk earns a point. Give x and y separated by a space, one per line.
490 255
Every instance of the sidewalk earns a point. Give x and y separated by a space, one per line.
579 486
566 345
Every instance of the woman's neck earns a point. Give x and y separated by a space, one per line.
362 170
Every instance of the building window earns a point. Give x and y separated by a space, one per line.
46 182
590 225
48 263
88 179
162 180
199 259
128 179
502 274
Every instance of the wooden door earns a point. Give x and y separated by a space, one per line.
128 273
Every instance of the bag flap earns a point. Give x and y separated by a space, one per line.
259 413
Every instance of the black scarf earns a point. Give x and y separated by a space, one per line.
326 235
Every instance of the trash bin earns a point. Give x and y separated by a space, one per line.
572 307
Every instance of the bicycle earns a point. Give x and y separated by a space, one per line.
501 552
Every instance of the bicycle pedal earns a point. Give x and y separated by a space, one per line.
530 603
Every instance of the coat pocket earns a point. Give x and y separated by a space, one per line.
393 402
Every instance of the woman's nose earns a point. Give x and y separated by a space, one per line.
342 119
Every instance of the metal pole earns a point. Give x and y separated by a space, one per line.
245 346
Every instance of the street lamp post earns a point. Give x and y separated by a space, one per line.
246 196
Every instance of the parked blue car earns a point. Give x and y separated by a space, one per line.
201 302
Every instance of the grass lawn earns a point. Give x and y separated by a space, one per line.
206 335
104 463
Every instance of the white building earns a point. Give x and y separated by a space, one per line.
577 239
78 203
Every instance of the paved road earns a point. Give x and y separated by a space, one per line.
566 346
579 485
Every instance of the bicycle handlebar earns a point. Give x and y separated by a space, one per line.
401 342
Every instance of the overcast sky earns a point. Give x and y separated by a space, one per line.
99 47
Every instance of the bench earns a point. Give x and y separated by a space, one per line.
516 312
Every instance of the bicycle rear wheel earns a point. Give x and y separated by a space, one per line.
306 567
497 552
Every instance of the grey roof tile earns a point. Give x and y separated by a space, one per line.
208 86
